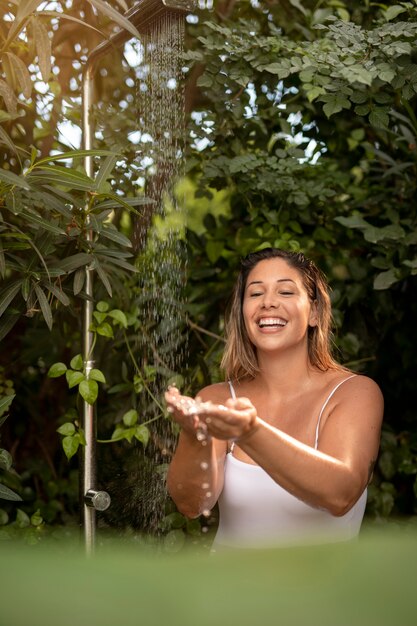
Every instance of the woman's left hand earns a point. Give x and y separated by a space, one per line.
233 420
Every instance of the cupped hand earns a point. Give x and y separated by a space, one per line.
183 410
233 420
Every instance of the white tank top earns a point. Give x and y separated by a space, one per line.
255 512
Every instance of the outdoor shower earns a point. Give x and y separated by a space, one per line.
143 16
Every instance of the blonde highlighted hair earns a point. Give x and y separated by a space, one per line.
239 357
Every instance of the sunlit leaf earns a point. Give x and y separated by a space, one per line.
88 390
104 172
130 418
97 375
74 378
114 15
43 47
56 370
73 154
70 445
119 317
73 179
21 73
9 97
77 362
66 429
13 179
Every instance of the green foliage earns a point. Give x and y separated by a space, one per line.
302 136
307 120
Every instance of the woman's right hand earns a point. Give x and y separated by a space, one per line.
183 410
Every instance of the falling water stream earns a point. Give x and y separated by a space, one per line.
157 238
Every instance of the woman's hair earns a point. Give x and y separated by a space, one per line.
239 357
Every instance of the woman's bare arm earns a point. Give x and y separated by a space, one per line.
195 476
332 477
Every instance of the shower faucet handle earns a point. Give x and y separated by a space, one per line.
98 500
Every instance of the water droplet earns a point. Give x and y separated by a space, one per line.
206 512
208 494
205 485
204 465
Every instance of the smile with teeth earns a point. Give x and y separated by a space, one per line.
271 322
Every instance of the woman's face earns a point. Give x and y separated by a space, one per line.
276 308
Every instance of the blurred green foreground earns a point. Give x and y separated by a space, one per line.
370 582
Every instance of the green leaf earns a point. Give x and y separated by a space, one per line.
115 16
67 429
5 402
105 330
104 172
44 304
103 277
56 370
5 459
88 391
214 250
79 280
21 72
119 317
130 417
58 293
334 103
73 154
384 280
142 434
8 494
70 445
77 362
74 378
36 519
13 179
4 517
379 118
98 375
22 519
59 175
99 317
10 101
74 262
102 306
43 47
110 232
8 295
393 11
34 218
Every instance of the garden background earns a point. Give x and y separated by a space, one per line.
301 133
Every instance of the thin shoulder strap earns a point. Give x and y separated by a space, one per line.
232 390
316 442
233 394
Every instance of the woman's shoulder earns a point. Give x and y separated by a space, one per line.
217 393
353 385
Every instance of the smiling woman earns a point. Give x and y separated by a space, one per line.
287 444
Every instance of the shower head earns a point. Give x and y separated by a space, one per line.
145 12
143 16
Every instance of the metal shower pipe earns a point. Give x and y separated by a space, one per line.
142 16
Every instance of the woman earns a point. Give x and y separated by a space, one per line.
287 446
